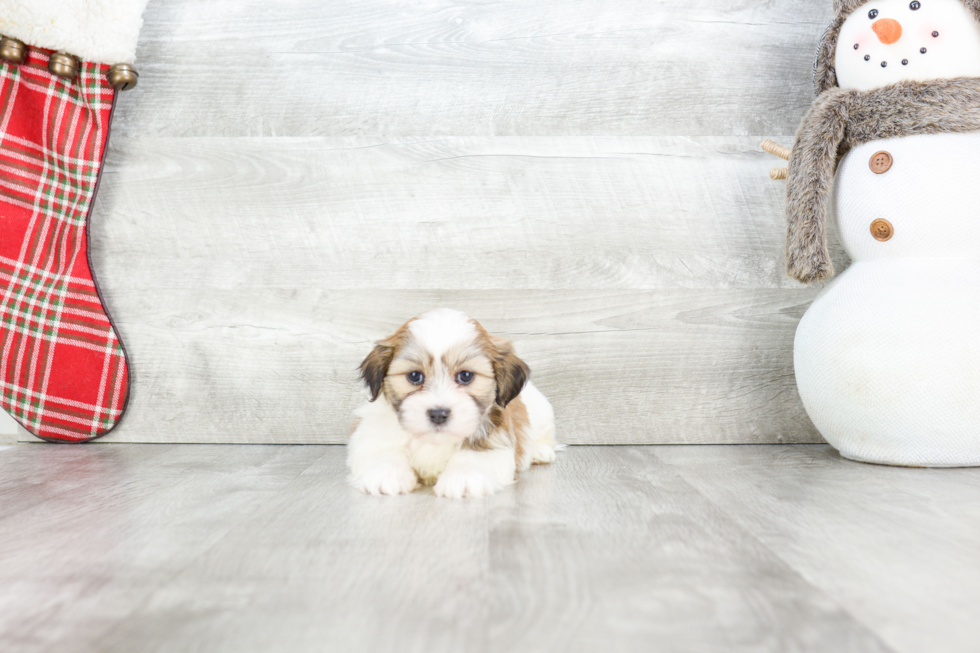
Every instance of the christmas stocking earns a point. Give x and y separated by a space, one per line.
63 372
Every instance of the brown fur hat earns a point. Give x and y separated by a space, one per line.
824 74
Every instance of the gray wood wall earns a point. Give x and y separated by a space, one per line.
293 179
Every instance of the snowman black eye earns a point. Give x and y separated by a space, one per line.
884 64
923 50
914 6
867 57
415 378
905 62
935 35
873 14
856 46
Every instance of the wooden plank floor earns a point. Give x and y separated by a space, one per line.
211 548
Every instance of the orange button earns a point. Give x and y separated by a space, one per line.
881 162
882 229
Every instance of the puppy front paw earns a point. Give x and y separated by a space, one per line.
459 483
387 478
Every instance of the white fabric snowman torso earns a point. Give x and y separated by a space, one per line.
886 359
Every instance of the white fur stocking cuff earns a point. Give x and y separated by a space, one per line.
100 31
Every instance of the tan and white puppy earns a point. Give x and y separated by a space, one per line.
450 406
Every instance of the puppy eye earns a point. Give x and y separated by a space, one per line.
464 378
873 14
415 378
914 6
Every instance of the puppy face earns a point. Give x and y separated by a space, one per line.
443 373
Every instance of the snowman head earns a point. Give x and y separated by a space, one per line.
875 43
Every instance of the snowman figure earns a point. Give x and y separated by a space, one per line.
887 357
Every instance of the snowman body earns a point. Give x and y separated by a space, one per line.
887 358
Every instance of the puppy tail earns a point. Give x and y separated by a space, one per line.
541 427
543 446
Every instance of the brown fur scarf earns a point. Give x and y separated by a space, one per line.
841 119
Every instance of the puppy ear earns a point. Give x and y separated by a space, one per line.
374 368
509 371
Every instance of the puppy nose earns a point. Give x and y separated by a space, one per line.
888 30
438 415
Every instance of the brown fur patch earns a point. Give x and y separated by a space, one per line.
519 424
507 427
842 119
396 386
374 368
510 372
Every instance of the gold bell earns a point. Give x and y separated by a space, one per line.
62 64
12 50
123 77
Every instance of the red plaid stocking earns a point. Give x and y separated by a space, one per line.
63 372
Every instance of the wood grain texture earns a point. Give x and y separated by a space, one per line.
227 548
611 548
459 213
870 537
439 67
90 533
249 278
291 181
620 367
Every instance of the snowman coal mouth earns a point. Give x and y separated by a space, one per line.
905 62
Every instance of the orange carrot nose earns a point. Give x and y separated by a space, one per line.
888 30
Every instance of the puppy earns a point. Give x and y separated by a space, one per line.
450 407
